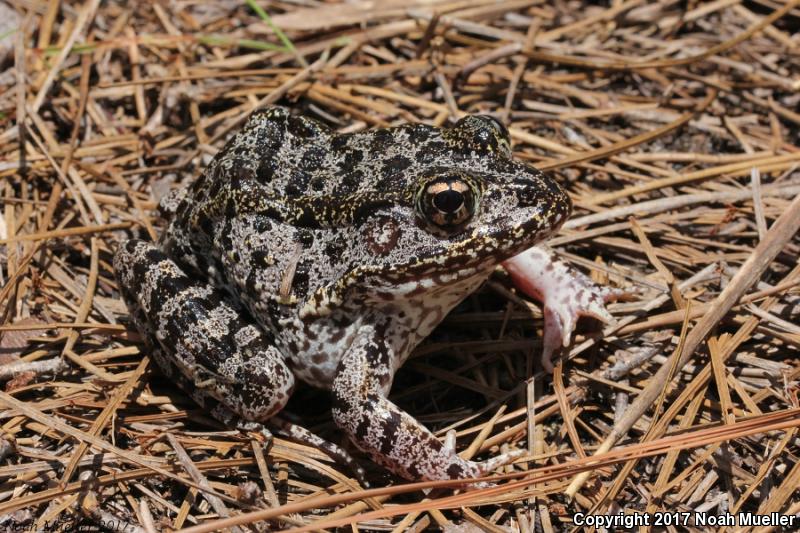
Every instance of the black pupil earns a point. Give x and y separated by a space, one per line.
448 201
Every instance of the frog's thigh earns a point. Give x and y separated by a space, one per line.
216 348
377 426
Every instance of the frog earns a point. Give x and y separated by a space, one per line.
303 253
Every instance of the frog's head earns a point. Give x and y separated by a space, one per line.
467 207
476 206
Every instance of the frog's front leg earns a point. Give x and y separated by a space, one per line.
376 425
566 294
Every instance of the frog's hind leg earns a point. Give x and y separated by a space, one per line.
210 349
204 338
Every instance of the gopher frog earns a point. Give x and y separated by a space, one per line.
301 253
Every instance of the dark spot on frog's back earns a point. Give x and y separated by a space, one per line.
339 142
262 222
350 181
305 128
317 183
225 239
396 164
298 183
418 133
267 167
432 151
231 208
312 158
392 182
260 259
351 159
334 249
305 237
214 186
306 219
240 172
269 136
381 140
300 279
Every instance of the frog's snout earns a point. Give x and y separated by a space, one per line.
543 200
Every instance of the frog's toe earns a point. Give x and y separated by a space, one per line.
257 428
553 338
303 435
591 300
597 310
450 440
488 466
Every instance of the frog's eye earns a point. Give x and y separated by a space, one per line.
501 133
499 127
447 203
485 132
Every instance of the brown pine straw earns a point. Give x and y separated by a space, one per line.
66 429
696 438
608 151
111 479
781 232
61 325
665 63
83 230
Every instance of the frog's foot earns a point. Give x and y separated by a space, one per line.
389 435
567 294
304 436
488 466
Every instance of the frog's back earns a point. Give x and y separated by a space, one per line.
291 156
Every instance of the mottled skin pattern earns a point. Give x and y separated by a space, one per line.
328 257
